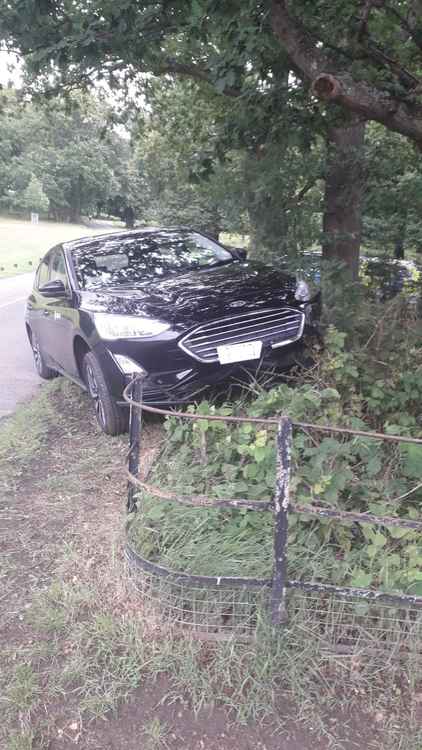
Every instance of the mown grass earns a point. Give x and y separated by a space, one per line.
235 240
22 244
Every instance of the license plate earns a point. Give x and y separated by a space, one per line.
228 353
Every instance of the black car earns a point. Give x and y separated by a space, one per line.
170 303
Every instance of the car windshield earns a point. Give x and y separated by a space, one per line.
147 256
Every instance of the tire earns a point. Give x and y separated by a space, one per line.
111 418
43 370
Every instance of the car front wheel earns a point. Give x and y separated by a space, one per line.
111 418
42 369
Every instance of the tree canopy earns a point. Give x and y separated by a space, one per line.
301 80
364 55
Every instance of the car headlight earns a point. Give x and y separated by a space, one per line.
302 292
127 365
127 326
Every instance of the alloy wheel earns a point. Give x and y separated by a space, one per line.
37 353
95 395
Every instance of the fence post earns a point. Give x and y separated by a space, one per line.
281 507
134 441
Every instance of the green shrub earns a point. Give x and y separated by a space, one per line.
375 385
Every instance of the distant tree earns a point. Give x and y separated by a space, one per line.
392 206
69 146
34 197
129 217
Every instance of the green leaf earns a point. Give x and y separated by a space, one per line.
415 588
398 533
155 513
394 561
373 466
260 453
412 460
361 580
330 393
379 540
261 438
203 425
250 471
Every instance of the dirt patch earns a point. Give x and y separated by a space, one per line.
210 729
148 720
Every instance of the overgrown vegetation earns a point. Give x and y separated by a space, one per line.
375 383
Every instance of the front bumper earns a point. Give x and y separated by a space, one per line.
180 385
174 376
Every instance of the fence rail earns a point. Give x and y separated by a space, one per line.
280 505
136 402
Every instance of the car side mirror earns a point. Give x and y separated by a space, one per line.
54 288
239 252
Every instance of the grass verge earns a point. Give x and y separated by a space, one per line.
23 436
80 646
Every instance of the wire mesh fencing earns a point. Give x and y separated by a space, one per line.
205 608
341 619
345 626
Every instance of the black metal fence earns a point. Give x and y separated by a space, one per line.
221 604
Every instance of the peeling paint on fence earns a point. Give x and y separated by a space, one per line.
281 507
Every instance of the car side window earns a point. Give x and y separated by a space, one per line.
43 273
58 268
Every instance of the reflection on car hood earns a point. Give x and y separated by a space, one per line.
196 296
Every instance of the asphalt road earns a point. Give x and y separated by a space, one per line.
18 378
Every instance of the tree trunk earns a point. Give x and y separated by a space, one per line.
342 221
400 239
399 249
213 228
75 201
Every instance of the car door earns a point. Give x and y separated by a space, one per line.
36 302
59 316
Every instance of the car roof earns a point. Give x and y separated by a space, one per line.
80 242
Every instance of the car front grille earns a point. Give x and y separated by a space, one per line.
274 326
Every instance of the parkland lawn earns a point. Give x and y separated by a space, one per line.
22 244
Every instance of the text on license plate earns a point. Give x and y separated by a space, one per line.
228 353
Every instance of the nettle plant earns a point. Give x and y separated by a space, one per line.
337 471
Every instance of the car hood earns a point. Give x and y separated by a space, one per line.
191 298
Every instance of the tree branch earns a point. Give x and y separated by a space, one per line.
191 70
355 96
404 76
299 196
407 27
